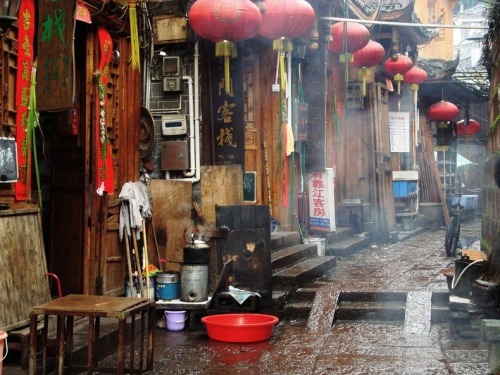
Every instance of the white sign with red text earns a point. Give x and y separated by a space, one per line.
321 201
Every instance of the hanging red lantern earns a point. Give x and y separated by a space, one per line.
396 66
368 56
414 77
225 22
472 127
348 37
284 20
442 111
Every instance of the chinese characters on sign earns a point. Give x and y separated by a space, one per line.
321 201
23 86
399 126
55 54
228 120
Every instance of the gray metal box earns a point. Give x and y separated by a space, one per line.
174 155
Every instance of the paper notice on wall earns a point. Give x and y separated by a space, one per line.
399 125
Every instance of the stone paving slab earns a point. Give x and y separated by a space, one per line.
347 347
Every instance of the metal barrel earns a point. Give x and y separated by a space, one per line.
194 283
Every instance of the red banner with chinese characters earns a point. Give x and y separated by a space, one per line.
104 154
23 80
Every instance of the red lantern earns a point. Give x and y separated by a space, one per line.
442 111
414 77
225 22
471 128
284 20
397 66
368 56
348 37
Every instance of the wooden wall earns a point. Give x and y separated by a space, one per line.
22 263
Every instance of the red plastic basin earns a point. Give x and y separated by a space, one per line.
239 327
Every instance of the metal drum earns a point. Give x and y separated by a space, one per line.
167 286
194 283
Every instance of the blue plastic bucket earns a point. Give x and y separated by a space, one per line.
167 286
175 320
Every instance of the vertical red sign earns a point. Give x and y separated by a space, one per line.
104 155
23 81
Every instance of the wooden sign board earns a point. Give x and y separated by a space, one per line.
55 70
250 187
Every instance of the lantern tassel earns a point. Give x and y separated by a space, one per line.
398 78
227 76
282 70
282 45
364 73
134 35
228 50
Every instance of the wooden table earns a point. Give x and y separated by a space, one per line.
94 307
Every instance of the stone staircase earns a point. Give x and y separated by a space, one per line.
362 306
295 263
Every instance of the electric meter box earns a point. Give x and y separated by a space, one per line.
174 155
173 124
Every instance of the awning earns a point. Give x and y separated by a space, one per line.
461 161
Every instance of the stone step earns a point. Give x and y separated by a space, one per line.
280 240
297 309
348 246
388 306
288 256
340 234
304 271
371 306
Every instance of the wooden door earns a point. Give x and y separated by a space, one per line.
253 136
380 181
85 250
68 186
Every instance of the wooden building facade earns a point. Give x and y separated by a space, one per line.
81 227
78 236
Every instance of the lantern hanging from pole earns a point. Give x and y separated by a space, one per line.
472 127
396 66
347 38
225 22
442 111
368 56
414 77
284 20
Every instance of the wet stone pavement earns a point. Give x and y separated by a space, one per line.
403 276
